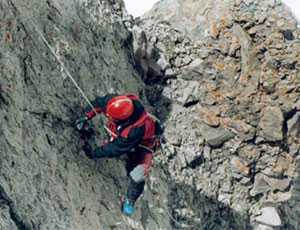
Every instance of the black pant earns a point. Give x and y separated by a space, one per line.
134 159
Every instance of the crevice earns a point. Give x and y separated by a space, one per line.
51 6
196 162
191 103
289 115
3 100
27 79
15 10
16 218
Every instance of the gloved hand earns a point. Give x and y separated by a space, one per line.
79 123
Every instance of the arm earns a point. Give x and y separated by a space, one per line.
120 145
99 104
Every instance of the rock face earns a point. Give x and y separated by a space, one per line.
195 18
46 182
271 124
223 76
269 217
241 58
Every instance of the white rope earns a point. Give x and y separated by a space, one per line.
57 58
64 68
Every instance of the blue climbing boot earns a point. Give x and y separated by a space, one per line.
128 207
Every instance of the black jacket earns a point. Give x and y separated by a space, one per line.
120 145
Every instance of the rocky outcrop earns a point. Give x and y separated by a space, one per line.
227 93
232 129
194 18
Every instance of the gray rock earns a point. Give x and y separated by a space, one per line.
271 124
195 64
269 217
278 184
260 185
215 137
163 63
193 18
250 64
263 227
294 126
6 222
184 92
140 43
244 63
297 104
279 197
46 182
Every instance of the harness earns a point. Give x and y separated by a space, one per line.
149 138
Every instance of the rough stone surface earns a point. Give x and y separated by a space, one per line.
269 216
223 76
46 182
260 185
271 124
244 54
216 137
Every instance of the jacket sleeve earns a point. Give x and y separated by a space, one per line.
99 104
121 145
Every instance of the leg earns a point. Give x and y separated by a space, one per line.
138 168
137 174
135 190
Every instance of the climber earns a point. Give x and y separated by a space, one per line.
133 132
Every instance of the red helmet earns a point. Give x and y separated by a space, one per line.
119 108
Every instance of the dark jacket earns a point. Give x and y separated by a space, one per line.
129 133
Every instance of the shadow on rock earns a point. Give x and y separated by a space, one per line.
153 69
189 209
291 209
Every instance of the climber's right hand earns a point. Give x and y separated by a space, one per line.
79 123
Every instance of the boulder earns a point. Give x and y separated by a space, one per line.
269 216
215 137
260 185
271 124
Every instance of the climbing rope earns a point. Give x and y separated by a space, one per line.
64 68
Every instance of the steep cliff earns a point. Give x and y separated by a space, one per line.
223 76
230 75
46 182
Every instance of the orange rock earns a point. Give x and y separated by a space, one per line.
285 165
225 22
228 34
209 117
241 166
219 96
244 79
249 153
219 66
214 31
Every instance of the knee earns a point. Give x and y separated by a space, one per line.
138 174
